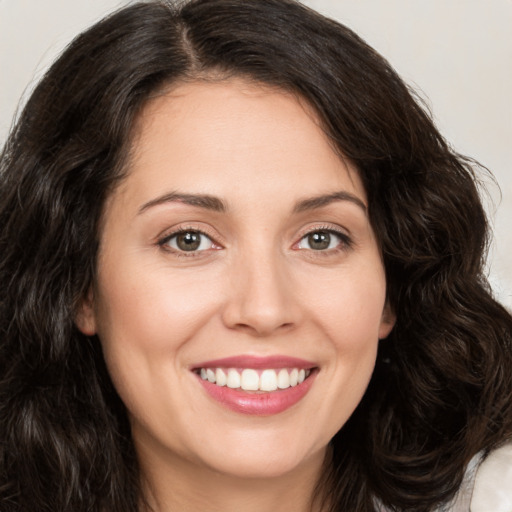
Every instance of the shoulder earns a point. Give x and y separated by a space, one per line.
492 490
487 484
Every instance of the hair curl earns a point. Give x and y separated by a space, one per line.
442 387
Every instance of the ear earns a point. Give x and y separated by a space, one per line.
85 318
387 321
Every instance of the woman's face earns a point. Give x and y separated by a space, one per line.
238 250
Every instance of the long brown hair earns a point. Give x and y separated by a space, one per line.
442 387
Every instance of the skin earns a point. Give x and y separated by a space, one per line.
255 287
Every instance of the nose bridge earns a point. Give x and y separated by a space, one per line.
261 297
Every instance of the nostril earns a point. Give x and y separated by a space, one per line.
261 329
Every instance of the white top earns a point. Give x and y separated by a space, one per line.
487 485
492 491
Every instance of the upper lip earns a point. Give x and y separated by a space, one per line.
256 362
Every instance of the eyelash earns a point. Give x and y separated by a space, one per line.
346 242
164 241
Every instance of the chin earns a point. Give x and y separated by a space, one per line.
274 460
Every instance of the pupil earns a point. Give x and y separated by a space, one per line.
188 241
320 240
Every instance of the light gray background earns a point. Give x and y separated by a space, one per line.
458 53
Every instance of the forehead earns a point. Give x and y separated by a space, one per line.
202 136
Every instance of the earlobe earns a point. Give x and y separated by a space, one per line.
387 322
85 318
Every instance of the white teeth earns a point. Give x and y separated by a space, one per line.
268 380
252 380
283 379
220 377
233 380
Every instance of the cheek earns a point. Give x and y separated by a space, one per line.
153 310
349 311
145 319
350 307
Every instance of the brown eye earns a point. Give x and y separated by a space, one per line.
189 241
323 240
319 241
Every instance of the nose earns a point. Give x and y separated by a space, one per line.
262 299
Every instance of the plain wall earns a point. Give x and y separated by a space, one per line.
458 53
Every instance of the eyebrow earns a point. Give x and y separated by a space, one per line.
201 200
313 203
216 204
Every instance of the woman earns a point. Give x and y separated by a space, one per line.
240 270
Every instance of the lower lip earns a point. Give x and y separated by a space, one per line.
258 404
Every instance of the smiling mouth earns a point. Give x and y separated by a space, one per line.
255 380
255 385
